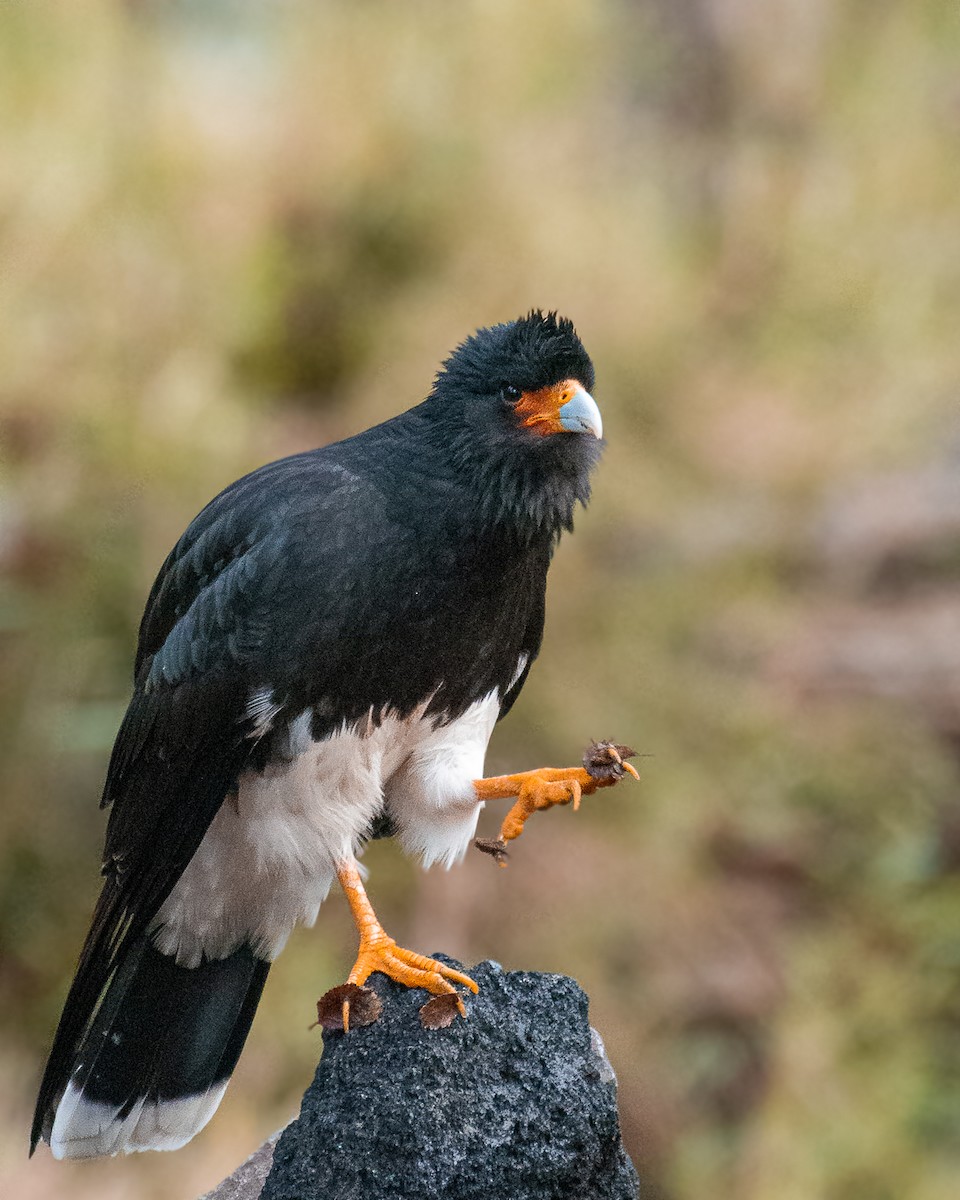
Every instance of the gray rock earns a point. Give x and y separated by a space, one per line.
246 1182
516 1102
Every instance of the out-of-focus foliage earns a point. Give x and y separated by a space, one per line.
230 231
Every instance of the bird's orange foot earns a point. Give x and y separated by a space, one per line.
351 1003
603 765
378 952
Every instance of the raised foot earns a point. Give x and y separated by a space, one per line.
604 764
352 1003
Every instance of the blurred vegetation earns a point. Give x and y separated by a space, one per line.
229 232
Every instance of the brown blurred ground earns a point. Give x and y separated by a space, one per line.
228 232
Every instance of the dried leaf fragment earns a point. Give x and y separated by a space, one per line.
495 847
440 1012
360 1005
604 761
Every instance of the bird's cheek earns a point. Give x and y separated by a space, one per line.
565 407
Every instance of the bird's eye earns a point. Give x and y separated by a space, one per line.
511 393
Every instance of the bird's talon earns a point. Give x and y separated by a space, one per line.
631 769
379 953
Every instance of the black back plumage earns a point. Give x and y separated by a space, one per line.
402 566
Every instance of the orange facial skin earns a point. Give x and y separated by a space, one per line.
540 411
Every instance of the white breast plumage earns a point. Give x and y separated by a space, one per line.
267 861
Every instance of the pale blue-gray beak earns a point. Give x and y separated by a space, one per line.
581 415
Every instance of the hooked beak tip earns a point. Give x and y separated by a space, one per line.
581 415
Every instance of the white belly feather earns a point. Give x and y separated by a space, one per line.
267 862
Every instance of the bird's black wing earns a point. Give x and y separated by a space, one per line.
207 636
510 698
533 591
206 628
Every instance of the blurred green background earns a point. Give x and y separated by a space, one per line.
230 231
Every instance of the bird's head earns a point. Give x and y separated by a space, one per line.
514 404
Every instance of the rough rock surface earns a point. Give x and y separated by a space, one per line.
517 1102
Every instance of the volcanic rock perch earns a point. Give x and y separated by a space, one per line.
518 1101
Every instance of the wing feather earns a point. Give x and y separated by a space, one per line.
182 744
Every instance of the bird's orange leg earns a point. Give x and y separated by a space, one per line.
604 766
379 952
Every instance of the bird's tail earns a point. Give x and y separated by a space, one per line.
157 1057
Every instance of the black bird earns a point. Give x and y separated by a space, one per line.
322 657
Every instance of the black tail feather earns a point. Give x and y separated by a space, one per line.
161 1033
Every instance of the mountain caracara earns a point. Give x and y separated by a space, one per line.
323 657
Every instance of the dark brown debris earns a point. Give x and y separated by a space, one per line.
495 847
365 1006
440 1011
604 760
